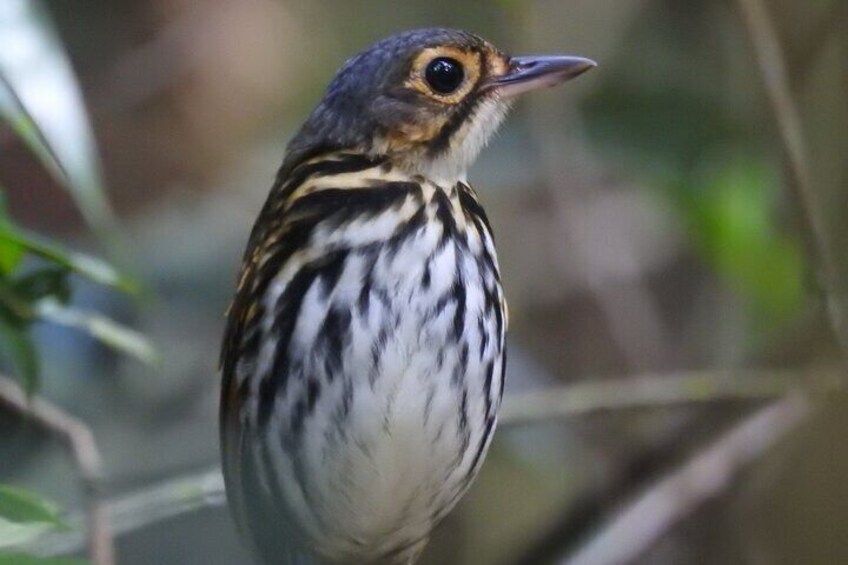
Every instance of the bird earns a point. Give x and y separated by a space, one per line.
363 359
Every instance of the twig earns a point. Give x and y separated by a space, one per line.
592 507
659 390
772 66
149 505
638 526
83 448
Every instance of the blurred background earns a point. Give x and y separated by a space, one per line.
647 224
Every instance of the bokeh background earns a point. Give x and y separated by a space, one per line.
646 222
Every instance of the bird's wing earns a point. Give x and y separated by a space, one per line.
283 228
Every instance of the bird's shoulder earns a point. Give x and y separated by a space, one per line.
329 190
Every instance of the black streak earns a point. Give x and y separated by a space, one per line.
288 307
463 413
444 214
484 335
487 386
425 278
462 113
331 340
490 424
346 164
406 230
377 349
332 271
469 204
313 390
370 255
458 294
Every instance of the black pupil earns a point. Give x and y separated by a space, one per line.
444 75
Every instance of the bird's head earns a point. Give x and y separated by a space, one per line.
429 99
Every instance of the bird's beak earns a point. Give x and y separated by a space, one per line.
539 71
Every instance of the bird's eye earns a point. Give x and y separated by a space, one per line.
444 75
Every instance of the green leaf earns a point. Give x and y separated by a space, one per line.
731 218
24 559
107 331
17 347
10 256
10 253
14 113
56 126
23 506
85 265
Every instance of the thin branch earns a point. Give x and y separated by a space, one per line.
652 391
83 448
149 505
645 520
772 66
591 508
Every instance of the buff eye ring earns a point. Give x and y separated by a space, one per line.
444 75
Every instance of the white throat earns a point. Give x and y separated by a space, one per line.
452 165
